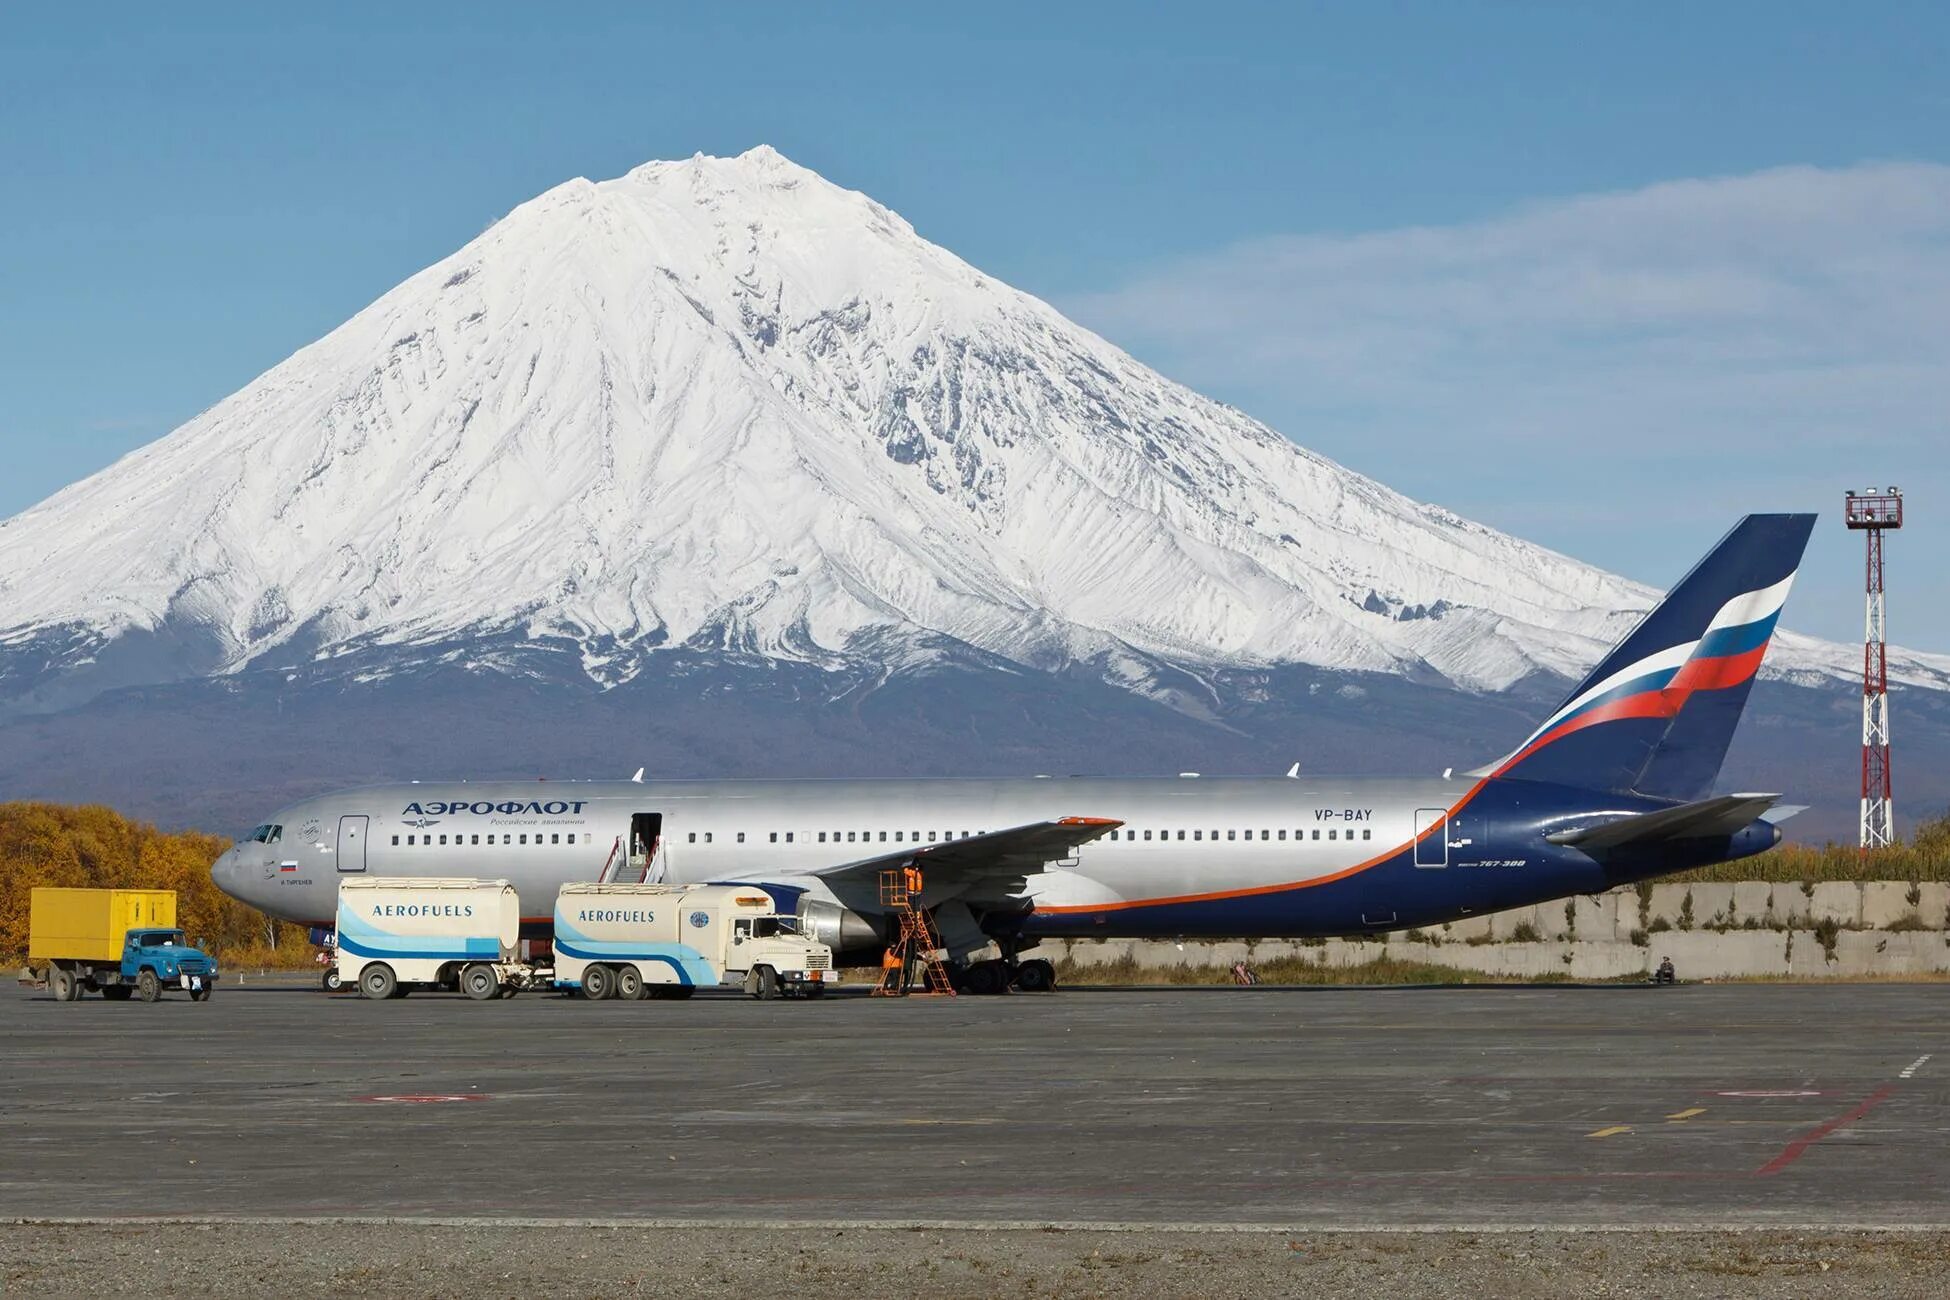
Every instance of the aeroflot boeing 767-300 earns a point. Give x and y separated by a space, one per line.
1613 787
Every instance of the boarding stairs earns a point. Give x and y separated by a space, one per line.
915 940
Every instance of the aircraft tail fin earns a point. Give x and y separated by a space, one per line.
1655 717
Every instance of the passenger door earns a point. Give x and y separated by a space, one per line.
352 843
1431 837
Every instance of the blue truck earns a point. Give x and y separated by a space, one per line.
121 943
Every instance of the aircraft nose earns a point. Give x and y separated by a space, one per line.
227 874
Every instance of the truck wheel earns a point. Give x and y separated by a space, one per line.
1036 976
61 983
682 991
202 994
378 982
330 980
116 992
814 990
147 986
598 983
629 983
768 984
480 982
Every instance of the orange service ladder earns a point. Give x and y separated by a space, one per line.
914 940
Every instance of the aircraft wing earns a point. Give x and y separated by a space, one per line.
1703 819
1017 851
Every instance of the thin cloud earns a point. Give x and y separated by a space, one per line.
1783 322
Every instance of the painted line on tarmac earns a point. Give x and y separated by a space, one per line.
1680 1117
1613 1131
1691 1228
1794 1150
1910 1070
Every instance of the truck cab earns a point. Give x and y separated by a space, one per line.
772 955
155 957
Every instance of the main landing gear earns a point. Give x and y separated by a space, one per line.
985 978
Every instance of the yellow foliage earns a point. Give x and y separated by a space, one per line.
96 847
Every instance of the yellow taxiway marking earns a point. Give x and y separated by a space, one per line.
1613 1131
1688 1114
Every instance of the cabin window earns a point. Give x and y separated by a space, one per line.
555 838
409 839
849 837
1232 835
475 840
1316 832
788 837
822 837
524 838
741 837
775 837
897 837
883 837
396 840
693 838
707 837
1198 835
1282 834
1333 834
931 835
1147 835
1367 834
1266 835
490 839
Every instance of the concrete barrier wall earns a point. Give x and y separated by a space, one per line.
1834 930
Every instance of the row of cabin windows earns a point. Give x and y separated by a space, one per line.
1335 834
857 837
554 837
899 837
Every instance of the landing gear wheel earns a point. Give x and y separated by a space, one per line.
202 994
985 978
629 983
767 984
598 982
330 980
1036 976
117 992
480 982
378 982
147 987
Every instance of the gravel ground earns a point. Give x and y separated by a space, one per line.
115 1259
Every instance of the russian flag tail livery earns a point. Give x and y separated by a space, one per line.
1656 716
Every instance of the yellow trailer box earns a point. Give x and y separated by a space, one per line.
90 924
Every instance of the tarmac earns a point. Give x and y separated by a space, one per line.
1498 1109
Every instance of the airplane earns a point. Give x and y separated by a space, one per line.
1611 788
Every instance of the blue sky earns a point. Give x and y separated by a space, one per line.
1459 247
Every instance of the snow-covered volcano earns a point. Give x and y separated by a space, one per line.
725 404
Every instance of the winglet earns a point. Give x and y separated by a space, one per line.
638 778
1775 816
1293 771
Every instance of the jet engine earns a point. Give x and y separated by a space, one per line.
842 929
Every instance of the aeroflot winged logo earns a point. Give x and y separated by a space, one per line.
482 807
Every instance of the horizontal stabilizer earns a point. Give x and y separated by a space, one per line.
1705 819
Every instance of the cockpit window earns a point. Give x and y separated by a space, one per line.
265 834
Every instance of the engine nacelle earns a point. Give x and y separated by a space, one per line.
840 928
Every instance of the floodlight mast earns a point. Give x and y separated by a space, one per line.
1873 512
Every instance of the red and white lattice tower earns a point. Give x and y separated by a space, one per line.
1874 512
